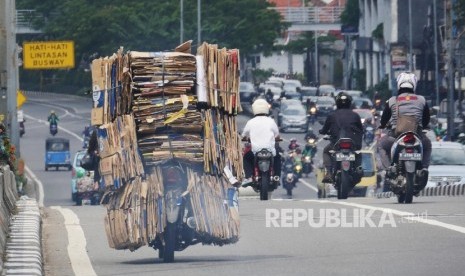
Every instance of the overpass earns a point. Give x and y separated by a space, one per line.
311 18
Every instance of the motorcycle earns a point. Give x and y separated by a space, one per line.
404 176
289 183
345 172
22 129
179 232
369 135
264 179
53 129
312 114
307 167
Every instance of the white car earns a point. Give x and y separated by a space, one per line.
447 164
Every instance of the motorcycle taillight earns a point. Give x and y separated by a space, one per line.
409 138
409 150
345 145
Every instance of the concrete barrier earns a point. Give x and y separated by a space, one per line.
20 230
448 190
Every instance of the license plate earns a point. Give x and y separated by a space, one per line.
345 157
86 202
416 156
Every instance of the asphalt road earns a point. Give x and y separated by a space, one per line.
358 236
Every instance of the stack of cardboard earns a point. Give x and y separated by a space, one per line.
160 106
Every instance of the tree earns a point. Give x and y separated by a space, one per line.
351 14
99 28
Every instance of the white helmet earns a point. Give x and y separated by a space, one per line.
260 106
406 80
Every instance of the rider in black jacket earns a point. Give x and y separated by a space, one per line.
341 123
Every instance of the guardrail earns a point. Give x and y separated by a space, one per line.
315 15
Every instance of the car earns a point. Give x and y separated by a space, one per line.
293 118
327 90
57 153
325 106
362 102
308 92
247 92
365 115
447 164
354 93
367 185
75 166
292 82
293 95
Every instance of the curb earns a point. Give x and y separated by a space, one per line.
23 248
448 190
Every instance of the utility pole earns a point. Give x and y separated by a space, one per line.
410 62
8 69
199 26
436 62
181 23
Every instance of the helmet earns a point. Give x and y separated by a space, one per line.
298 150
407 80
343 100
260 106
462 135
52 111
289 177
80 172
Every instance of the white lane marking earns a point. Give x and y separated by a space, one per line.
61 108
59 127
308 185
406 215
77 252
39 184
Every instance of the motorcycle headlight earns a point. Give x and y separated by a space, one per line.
307 158
298 167
311 141
313 110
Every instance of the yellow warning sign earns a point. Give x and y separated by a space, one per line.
20 99
48 55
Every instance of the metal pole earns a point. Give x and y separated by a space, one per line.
450 97
410 35
436 62
317 77
199 27
181 35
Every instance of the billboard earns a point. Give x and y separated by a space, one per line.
48 55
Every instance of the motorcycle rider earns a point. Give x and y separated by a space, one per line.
343 122
293 144
409 104
53 118
262 132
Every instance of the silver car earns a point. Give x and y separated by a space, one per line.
293 118
447 164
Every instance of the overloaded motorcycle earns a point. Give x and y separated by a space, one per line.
346 173
264 179
404 176
179 231
53 129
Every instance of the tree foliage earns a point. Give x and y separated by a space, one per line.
146 25
351 14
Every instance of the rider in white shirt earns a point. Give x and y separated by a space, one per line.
262 132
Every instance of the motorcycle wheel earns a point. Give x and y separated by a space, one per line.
343 190
401 197
410 177
170 241
265 183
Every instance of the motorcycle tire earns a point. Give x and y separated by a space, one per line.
401 197
170 242
409 187
344 185
264 186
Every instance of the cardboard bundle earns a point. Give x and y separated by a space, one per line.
154 107
164 105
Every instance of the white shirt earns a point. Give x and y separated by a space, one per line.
262 131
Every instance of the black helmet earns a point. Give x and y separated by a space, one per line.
343 100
